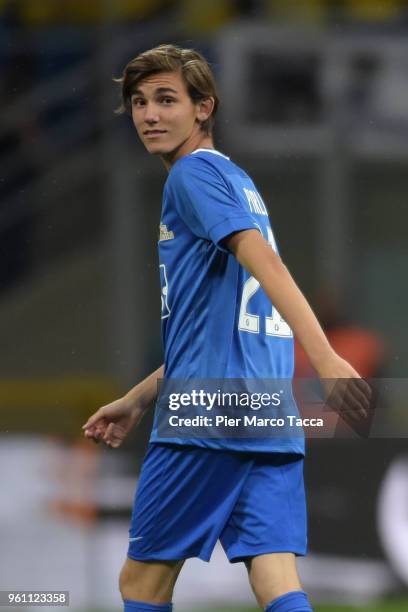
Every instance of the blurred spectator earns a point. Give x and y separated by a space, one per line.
298 10
48 12
374 10
343 11
361 347
207 18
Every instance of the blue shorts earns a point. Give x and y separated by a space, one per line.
189 497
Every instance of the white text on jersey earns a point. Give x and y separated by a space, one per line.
256 204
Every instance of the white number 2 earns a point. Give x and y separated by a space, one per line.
165 310
274 325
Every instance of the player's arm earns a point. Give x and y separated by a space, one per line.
111 423
261 261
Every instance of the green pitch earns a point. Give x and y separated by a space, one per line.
387 606
400 605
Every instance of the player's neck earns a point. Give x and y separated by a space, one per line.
203 141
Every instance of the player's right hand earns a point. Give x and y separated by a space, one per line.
111 423
346 392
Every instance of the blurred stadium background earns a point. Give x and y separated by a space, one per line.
315 107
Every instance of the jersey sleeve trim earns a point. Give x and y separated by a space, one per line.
228 226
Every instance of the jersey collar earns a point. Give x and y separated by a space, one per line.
214 151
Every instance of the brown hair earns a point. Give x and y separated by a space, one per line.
194 68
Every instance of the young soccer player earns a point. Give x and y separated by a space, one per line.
224 293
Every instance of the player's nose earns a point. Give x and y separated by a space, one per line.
151 113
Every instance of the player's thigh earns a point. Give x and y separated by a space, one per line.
184 498
272 575
150 581
270 513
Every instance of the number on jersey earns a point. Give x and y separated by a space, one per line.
275 325
165 310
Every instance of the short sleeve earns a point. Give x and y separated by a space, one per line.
205 202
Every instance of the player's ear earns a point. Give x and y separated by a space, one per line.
204 109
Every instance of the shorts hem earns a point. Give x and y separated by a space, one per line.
240 555
203 555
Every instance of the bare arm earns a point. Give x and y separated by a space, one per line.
111 423
145 393
257 256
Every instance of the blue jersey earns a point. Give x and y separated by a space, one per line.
217 322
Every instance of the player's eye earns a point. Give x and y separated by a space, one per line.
166 100
138 102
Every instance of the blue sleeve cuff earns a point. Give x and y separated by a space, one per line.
229 226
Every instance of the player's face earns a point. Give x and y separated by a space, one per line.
165 117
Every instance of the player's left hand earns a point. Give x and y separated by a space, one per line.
347 393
